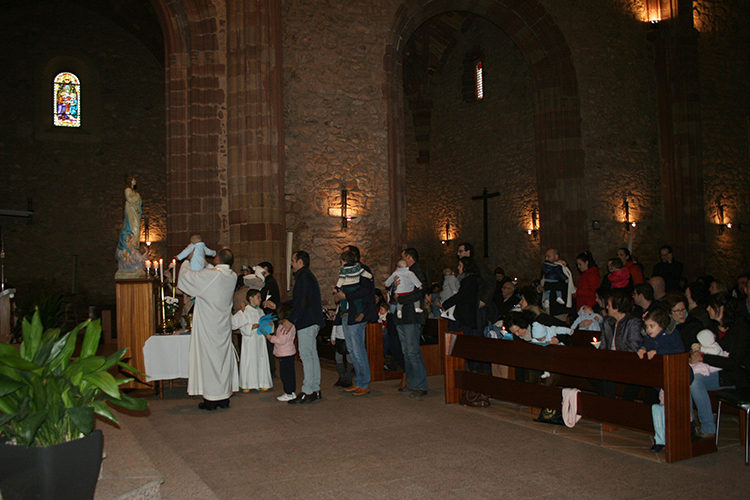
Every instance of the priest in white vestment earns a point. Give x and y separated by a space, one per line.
213 365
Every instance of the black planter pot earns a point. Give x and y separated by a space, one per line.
66 471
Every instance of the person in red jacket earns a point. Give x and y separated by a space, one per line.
589 280
627 261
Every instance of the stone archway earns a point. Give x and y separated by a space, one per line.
557 117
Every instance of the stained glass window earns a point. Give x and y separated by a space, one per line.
479 80
67 100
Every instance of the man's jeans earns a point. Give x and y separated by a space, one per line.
416 374
308 353
355 341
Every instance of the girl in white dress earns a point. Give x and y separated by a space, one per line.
255 370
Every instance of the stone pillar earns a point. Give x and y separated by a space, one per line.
678 89
196 132
255 133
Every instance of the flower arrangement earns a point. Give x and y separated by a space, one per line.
170 305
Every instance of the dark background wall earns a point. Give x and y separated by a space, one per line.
336 136
76 178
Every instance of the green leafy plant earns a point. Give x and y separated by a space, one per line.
48 397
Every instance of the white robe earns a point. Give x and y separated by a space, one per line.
213 363
255 369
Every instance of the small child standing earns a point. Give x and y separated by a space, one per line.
344 362
255 370
407 282
196 251
658 341
284 350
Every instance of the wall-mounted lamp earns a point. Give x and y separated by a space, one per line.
447 239
720 217
653 11
626 209
596 225
534 231
343 211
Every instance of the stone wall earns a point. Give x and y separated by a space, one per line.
477 144
76 178
491 143
335 119
335 133
724 44
615 70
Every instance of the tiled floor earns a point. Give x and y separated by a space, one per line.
385 445
624 440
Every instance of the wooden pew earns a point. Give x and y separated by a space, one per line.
669 372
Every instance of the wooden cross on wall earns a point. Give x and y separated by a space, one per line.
484 197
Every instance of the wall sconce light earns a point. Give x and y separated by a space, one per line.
596 225
721 218
447 239
534 231
653 11
626 209
343 211
145 231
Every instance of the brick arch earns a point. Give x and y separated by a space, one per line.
557 116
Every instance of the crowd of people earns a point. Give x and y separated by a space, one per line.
663 314
251 304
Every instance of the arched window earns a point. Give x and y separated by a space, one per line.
479 80
67 100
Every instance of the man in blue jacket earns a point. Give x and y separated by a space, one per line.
307 318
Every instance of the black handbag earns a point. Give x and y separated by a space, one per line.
474 399
550 416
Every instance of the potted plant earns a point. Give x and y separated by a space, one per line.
48 401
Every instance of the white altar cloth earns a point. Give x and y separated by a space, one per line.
166 357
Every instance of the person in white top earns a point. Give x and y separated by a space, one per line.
212 369
255 370
407 283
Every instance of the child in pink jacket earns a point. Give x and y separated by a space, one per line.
283 348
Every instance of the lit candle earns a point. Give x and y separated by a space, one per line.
148 265
161 269
174 271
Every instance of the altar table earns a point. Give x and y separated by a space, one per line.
166 357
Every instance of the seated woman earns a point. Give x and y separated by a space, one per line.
733 333
686 324
621 331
